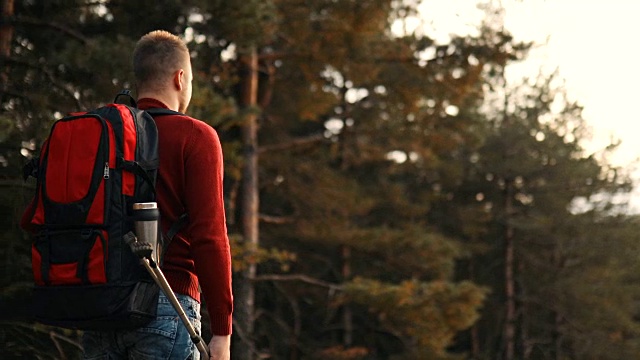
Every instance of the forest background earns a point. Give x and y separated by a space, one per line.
389 196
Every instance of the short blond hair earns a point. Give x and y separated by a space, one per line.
156 57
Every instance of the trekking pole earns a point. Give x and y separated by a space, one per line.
144 250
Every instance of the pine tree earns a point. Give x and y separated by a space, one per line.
357 216
524 183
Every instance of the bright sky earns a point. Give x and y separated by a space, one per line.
593 43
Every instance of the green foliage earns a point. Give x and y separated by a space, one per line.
425 315
242 257
245 23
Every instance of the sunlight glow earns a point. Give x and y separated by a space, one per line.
229 53
352 96
334 125
452 110
397 156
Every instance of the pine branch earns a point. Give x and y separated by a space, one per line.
53 335
293 143
49 75
17 183
26 20
278 220
298 277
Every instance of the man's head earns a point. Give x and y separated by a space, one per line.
162 68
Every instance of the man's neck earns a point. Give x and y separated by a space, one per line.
170 101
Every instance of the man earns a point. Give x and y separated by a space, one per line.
189 180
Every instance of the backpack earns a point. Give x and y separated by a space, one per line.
92 168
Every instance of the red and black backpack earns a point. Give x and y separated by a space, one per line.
91 169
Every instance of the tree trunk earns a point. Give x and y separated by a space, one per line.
510 315
557 317
347 315
245 294
525 340
6 37
475 335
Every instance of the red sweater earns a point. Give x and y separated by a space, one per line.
190 180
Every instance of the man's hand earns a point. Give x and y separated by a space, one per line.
220 347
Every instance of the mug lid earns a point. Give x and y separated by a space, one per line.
144 206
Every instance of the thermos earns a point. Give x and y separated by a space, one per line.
145 217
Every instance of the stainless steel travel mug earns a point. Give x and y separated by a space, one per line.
145 217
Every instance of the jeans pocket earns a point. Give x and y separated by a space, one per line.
155 340
166 326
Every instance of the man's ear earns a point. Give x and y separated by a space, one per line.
178 79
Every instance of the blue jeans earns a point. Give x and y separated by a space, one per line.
166 337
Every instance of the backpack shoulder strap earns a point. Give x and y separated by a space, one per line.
183 219
162 111
176 227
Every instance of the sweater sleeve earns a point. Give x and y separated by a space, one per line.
207 230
